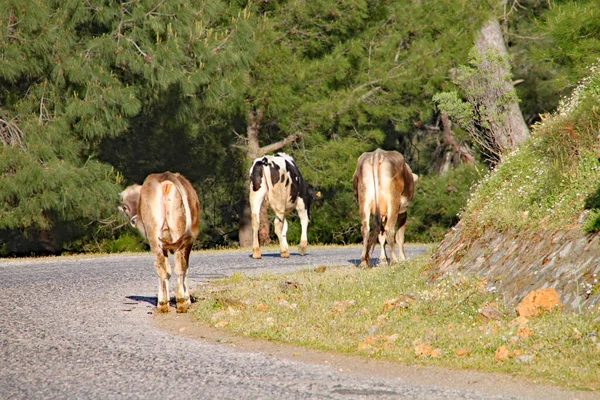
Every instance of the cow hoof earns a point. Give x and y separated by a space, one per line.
162 308
285 254
256 254
183 306
302 248
364 265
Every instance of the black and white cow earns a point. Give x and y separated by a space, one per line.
278 179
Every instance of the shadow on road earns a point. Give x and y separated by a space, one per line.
150 300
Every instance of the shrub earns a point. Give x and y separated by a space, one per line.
552 177
437 202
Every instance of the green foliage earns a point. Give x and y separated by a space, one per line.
488 97
74 76
372 70
334 218
572 38
438 201
546 183
352 84
96 96
126 242
551 43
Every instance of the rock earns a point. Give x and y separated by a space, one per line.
367 343
402 301
341 306
490 311
287 286
502 353
521 322
525 358
462 352
523 333
422 350
436 353
537 301
320 269
221 324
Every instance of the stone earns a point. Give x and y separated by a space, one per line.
524 359
537 301
490 311
320 269
422 350
502 353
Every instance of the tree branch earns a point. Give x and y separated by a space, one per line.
280 144
137 47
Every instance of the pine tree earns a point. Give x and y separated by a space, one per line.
73 74
335 78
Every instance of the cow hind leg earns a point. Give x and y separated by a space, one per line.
381 237
182 294
390 234
163 270
365 230
281 231
400 236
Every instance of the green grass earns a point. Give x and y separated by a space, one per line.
552 178
393 312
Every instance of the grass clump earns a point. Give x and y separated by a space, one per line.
398 314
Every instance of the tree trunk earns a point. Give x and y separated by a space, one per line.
513 130
452 153
245 222
253 151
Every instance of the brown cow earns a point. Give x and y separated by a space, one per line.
384 187
165 209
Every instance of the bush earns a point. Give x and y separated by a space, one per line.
437 202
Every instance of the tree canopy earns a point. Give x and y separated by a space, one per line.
96 95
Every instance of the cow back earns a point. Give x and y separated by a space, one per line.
169 209
383 179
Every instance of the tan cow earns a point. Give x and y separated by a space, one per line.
383 186
165 209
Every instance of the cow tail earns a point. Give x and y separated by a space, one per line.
187 235
376 225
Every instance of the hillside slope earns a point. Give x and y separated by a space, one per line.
533 221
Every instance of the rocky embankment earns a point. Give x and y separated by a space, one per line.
516 263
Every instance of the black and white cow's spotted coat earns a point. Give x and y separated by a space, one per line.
278 179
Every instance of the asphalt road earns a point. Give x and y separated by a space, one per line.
81 328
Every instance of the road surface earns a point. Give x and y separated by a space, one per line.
83 328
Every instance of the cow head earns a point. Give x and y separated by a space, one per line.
130 198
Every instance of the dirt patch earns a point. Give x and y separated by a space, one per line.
185 325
